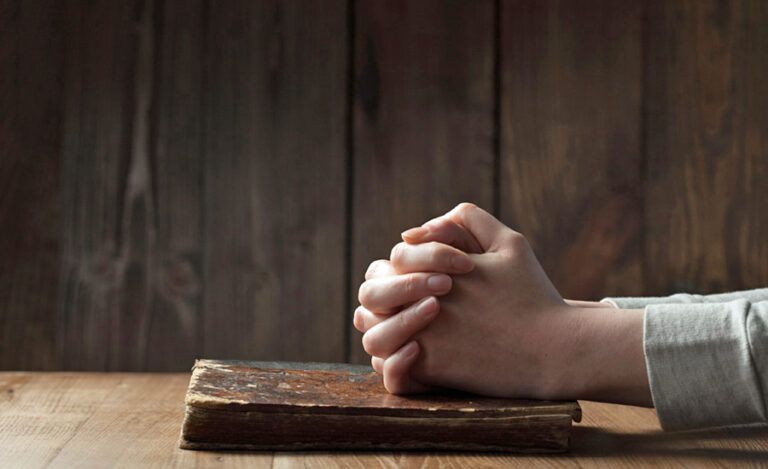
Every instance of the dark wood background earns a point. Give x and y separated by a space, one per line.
209 178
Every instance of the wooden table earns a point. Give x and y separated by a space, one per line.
127 419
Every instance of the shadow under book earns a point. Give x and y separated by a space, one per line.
320 406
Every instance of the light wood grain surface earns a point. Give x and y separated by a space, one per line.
126 419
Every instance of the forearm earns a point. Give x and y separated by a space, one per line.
603 358
702 364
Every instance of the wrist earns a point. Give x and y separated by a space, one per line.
602 357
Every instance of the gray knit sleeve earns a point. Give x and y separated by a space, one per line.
753 296
707 363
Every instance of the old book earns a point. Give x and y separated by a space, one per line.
303 406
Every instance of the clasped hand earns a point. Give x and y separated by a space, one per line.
463 303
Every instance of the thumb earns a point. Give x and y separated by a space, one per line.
396 371
443 230
482 225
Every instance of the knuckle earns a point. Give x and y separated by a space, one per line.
358 320
376 364
404 319
364 293
411 285
434 250
515 240
397 255
441 255
370 343
371 271
465 207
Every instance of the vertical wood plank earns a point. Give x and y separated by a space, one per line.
31 69
274 180
707 146
106 199
175 329
571 76
423 120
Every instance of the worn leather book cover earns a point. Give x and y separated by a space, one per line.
318 406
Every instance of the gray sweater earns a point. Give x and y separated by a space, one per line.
707 357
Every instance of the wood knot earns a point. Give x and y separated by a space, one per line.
179 279
103 270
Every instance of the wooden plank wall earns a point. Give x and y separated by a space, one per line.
706 146
571 84
210 178
31 68
423 120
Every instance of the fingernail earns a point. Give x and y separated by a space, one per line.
410 349
439 283
414 233
462 263
427 307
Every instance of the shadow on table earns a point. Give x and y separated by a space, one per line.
736 444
